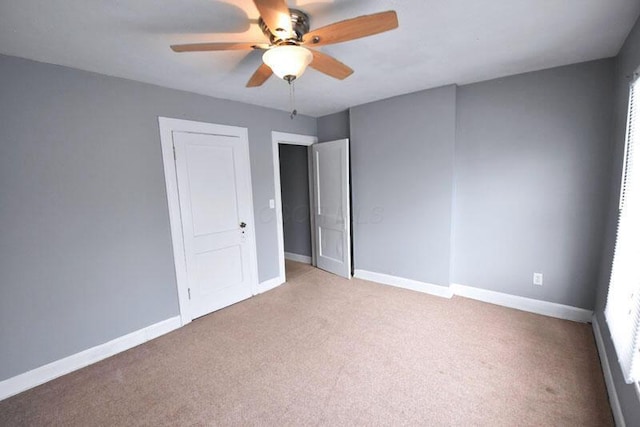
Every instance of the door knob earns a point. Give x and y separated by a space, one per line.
243 225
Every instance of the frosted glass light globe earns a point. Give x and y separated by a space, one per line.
287 62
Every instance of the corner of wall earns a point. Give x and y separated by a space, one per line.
452 229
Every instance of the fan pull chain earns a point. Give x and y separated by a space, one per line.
292 99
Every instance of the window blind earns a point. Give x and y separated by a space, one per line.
623 302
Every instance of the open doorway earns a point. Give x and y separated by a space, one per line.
329 213
296 212
293 189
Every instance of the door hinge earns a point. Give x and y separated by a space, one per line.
189 292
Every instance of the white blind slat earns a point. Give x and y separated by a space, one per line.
623 302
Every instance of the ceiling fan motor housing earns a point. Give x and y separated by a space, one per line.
299 24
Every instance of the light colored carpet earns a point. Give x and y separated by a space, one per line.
295 269
321 350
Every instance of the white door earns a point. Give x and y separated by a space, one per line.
214 191
331 207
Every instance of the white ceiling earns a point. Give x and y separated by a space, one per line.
439 42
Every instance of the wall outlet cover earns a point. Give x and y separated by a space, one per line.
537 279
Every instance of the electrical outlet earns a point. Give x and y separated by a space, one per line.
537 279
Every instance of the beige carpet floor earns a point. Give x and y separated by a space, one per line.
321 350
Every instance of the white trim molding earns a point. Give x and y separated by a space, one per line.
293 138
531 305
400 282
50 371
267 285
289 139
297 257
545 308
608 377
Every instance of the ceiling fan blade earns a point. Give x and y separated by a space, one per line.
329 65
354 28
205 47
260 76
275 13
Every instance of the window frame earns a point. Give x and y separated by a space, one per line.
632 141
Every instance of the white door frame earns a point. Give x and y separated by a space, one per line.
167 127
290 139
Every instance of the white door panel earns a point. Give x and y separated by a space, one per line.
212 187
214 195
332 216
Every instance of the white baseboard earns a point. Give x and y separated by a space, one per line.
512 301
35 377
608 377
545 308
400 282
267 285
297 257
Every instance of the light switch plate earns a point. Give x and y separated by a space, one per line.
272 204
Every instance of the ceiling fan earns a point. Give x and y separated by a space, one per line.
287 54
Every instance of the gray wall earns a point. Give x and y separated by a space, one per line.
294 182
402 179
86 250
532 165
334 126
627 62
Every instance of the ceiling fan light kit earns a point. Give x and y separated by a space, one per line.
288 62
